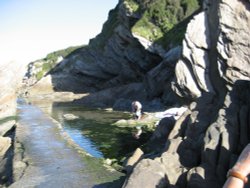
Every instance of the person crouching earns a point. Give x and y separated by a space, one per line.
136 109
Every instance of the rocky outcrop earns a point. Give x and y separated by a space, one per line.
122 54
121 60
213 72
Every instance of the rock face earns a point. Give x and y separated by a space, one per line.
9 75
214 73
192 70
8 90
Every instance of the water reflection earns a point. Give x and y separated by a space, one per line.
95 132
81 139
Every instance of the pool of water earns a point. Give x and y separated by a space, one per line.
95 132
36 126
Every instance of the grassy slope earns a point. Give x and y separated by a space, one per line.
164 21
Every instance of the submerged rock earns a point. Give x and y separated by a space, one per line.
70 116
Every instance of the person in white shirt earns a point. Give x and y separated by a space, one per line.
136 109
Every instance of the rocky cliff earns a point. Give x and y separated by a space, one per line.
139 56
138 42
213 72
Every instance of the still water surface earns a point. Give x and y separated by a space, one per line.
94 129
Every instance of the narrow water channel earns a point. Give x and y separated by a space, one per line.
51 160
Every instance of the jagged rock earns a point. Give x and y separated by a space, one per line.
192 71
211 71
233 41
186 83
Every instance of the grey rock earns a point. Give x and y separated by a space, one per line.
147 173
192 71
212 71
164 128
5 143
133 160
6 127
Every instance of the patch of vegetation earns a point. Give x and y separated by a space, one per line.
52 57
147 29
40 74
132 5
160 17
50 61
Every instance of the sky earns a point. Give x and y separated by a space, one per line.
30 29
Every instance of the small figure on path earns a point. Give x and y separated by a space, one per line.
136 109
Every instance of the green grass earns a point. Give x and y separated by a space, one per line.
159 19
132 5
52 57
147 29
39 75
